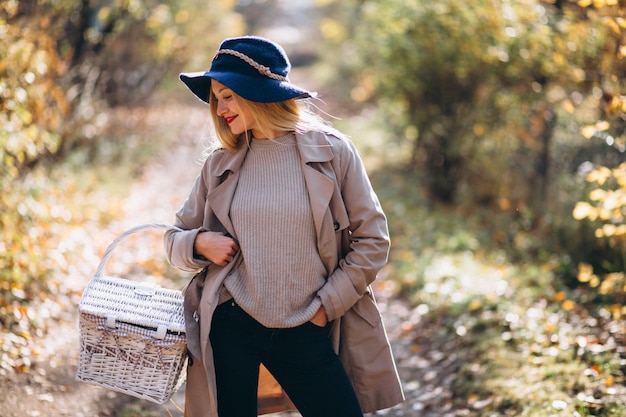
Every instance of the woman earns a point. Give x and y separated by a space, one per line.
288 233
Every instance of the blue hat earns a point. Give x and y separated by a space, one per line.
255 68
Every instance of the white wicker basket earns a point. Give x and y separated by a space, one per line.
132 334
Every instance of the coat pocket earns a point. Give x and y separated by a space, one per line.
367 310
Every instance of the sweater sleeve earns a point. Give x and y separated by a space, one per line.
369 241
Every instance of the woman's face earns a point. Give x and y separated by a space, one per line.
229 106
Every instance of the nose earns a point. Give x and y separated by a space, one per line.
221 108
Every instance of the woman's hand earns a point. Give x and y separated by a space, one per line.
320 318
216 247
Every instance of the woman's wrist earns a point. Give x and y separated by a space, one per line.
196 254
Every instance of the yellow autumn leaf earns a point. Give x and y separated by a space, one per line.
614 105
609 230
406 327
22 368
604 213
568 305
620 230
583 210
616 311
613 200
568 106
597 195
578 75
588 131
104 14
602 125
550 327
475 305
559 59
331 29
594 281
599 175
609 381
585 272
612 25
584 3
24 334
606 287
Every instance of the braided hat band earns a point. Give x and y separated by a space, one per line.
261 68
254 68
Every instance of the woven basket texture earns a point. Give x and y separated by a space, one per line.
134 302
132 334
124 359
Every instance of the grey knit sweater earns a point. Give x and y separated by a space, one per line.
281 270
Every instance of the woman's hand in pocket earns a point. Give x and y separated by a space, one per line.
320 318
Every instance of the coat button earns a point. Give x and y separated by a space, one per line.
336 226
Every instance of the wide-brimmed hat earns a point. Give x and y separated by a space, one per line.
253 67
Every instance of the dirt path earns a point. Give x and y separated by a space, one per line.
50 388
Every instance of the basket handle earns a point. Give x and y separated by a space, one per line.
129 232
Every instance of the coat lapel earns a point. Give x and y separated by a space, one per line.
225 174
315 149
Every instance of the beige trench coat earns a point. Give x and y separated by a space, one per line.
353 243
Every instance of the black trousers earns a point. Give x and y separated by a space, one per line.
301 359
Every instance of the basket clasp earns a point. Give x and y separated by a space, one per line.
146 288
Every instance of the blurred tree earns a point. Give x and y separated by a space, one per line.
60 58
605 207
62 64
503 104
466 82
60 61
477 92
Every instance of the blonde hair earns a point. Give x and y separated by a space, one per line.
290 115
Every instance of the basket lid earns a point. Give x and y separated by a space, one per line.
139 303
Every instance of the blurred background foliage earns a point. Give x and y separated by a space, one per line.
492 128
511 114
63 64
513 109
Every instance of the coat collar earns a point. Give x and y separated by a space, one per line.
313 146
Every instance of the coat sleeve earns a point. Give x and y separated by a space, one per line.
368 237
179 245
